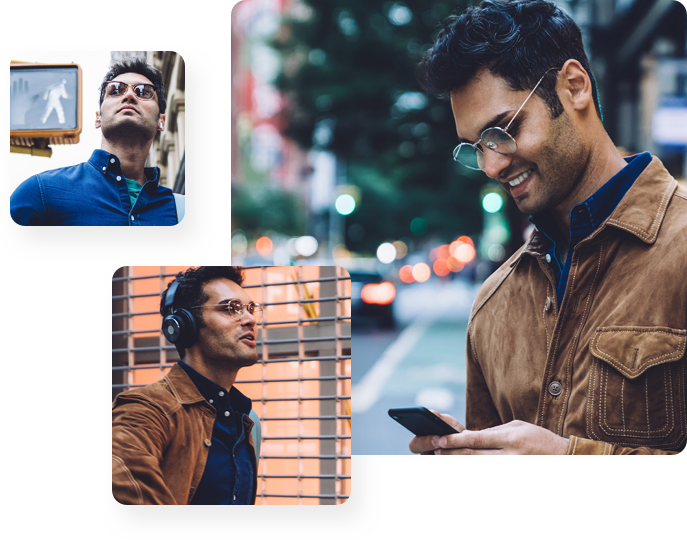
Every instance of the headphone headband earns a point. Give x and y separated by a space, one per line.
171 291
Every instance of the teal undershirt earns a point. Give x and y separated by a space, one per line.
134 189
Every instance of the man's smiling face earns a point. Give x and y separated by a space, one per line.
550 157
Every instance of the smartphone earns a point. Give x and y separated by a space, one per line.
421 421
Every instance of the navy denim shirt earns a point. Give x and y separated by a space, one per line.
228 474
92 193
587 216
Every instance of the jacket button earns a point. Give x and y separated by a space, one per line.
548 258
207 442
555 388
547 305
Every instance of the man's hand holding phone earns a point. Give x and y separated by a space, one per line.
433 444
441 434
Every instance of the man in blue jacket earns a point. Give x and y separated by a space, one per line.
113 187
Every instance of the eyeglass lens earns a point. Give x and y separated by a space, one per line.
236 309
494 139
141 91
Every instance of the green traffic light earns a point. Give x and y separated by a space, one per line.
345 204
492 202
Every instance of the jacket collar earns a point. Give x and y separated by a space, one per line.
182 387
640 212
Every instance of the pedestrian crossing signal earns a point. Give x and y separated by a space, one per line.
45 104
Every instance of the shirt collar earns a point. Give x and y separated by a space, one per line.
640 212
597 208
218 396
105 162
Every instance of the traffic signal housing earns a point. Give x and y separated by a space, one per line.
45 106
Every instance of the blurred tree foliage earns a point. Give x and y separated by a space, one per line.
268 209
349 76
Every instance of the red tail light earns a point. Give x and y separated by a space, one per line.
378 293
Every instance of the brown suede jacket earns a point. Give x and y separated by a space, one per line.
606 367
161 436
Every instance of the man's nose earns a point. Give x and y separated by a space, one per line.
247 318
495 163
129 93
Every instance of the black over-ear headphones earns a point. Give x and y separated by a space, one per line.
180 326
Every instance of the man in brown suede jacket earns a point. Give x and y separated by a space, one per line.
188 439
576 345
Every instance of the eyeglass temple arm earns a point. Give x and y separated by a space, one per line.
528 97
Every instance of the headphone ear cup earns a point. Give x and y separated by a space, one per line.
180 328
190 335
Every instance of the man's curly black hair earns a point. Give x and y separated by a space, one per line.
190 290
518 41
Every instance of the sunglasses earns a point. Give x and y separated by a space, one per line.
236 309
116 88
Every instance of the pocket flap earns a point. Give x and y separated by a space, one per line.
634 349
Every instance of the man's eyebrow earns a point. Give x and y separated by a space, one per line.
491 123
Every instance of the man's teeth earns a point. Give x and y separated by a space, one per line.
520 179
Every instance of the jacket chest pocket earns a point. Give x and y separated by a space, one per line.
637 387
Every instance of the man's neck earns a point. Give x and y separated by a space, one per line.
603 164
131 158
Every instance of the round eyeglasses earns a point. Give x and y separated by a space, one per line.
236 309
494 138
116 88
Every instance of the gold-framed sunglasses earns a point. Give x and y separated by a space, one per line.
471 155
236 309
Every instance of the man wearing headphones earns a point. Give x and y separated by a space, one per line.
189 438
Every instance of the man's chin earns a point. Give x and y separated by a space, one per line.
247 361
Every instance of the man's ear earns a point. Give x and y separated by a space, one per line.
577 86
97 120
161 122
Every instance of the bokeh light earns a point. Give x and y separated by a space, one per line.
464 253
421 272
405 274
263 245
378 293
441 268
306 245
492 202
386 253
345 204
401 249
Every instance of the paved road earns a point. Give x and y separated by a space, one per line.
422 362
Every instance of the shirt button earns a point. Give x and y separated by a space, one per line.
104 168
221 394
226 413
555 388
211 401
119 178
112 160
547 305
132 218
548 258
234 497
207 442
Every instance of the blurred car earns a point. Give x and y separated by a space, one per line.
372 299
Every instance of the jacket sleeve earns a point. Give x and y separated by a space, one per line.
480 411
27 203
586 447
140 432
